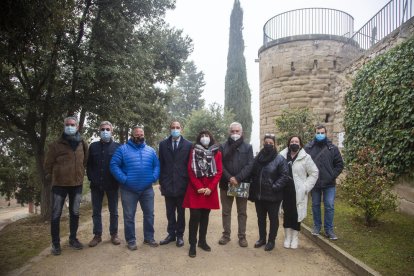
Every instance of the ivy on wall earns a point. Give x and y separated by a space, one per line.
379 110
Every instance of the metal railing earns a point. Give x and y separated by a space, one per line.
388 19
308 21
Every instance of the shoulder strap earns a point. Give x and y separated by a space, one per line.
320 153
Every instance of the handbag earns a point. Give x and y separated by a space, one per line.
241 190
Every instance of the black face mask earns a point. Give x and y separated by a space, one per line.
294 147
268 147
139 140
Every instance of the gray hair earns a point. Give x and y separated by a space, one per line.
138 126
236 124
106 123
71 118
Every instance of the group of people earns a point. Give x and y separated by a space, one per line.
191 176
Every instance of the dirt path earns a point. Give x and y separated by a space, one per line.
107 259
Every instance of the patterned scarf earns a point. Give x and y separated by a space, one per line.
203 163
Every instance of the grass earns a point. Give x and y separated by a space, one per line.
26 238
388 247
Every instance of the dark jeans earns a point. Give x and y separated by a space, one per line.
129 204
198 217
175 216
264 209
328 195
59 194
97 198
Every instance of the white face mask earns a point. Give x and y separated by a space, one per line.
205 141
235 137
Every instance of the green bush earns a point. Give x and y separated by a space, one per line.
367 186
379 110
295 122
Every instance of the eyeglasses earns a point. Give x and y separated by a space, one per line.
269 135
70 125
107 129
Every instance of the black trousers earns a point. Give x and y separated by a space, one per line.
264 209
175 216
290 212
198 218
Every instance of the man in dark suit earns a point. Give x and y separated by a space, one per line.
173 154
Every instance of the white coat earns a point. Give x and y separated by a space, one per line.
305 174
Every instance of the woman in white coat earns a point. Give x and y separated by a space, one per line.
304 174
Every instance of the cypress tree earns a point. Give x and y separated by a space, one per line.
237 92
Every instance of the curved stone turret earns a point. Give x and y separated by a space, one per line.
298 66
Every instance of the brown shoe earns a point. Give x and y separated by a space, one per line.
243 242
94 242
115 240
224 240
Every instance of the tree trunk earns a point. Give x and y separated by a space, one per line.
45 198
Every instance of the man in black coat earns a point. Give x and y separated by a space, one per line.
102 181
173 154
237 165
329 161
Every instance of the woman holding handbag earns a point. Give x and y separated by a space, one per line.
304 174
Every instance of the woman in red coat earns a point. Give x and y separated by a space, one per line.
204 170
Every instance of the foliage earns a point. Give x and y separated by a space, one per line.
299 122
380 110
186 93
387 248
97 59
368 185
213 119
237 92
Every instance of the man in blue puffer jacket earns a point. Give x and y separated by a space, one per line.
136 167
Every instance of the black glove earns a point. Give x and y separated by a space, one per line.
276 188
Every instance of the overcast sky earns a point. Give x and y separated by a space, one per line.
208 22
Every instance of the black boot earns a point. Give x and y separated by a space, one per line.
269 246
203 245
192 252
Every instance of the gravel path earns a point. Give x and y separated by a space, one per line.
107 259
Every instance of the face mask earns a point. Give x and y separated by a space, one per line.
320 137
70 130
235 137
205 141
294 147
139 140
268 147
106 135
175 133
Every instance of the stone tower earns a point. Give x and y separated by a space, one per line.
302 55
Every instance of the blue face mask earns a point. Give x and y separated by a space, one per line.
175 133
106 135
320 137
70 130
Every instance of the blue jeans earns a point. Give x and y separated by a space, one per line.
328 195
97 198
59 194
130 200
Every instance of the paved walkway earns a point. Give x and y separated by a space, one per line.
107 259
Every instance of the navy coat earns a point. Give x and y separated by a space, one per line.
173 167
97 168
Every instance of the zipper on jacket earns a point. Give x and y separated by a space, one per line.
260 184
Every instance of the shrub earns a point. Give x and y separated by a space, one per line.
367 186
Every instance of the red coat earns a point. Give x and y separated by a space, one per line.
195 200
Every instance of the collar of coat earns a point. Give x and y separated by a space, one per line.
302 153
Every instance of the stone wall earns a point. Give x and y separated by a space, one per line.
301 72
405 185
316 71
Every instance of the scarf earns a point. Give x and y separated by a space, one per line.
203 163
73 140
233 146
262 159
